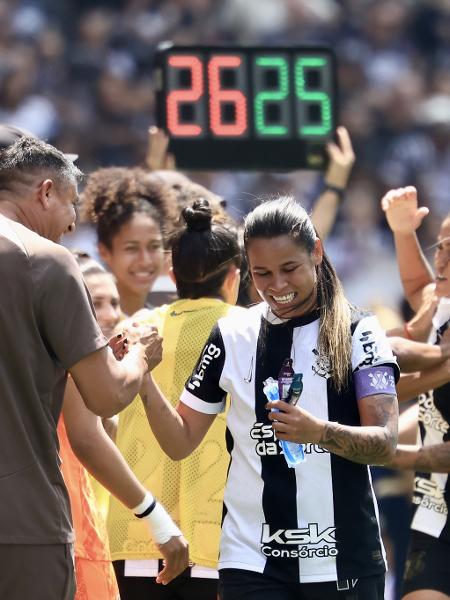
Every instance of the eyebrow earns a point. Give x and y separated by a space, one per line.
285 264
152 241
102 297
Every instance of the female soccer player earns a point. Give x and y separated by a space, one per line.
312 531
427 575
131 212
206 260
83 441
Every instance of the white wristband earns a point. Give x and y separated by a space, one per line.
160 524
144 505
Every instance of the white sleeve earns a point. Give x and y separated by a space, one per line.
370 346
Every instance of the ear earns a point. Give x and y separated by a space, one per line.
172 275
43 193
317 253
167 262
230 286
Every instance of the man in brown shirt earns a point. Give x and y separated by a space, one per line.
47 327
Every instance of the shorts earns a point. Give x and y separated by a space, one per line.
427 565
37 572
95 580
183 587
237 584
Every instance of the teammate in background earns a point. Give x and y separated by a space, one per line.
186 193
312 531
48 327
341 159
206 261
131 212
427 575
84 441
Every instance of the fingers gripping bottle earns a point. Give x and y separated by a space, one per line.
285 389
294 453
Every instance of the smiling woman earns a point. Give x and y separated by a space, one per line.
326 537
294 276
131 211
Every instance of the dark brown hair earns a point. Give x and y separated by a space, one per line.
285 216
202 252
113 195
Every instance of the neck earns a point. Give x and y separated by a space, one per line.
11 210
129 302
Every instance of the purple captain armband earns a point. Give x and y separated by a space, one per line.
374 380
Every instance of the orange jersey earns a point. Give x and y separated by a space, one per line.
94 571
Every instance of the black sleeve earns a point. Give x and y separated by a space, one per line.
202 391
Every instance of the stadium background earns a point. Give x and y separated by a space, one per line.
78 73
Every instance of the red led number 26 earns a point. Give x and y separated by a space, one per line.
217 96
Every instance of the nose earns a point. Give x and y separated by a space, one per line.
71 228
146 256
112 314
278 282
108 318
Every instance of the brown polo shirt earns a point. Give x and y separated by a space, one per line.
47 324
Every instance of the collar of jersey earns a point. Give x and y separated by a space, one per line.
195 303
272 319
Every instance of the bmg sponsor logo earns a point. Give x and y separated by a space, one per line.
369 348
267 445
306 540
210 353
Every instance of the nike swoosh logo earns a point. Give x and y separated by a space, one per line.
250 373
174 313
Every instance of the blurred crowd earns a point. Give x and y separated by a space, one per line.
79 74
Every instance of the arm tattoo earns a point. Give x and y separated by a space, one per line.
371 443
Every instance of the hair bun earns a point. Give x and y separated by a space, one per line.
198 217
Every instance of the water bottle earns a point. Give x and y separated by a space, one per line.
294 452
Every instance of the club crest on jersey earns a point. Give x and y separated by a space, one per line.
322 366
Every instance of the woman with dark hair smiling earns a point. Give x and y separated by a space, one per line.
289 531
131 212
205 268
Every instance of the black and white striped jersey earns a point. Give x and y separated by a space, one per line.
317 522
432 490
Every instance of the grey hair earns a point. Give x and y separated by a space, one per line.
29 155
